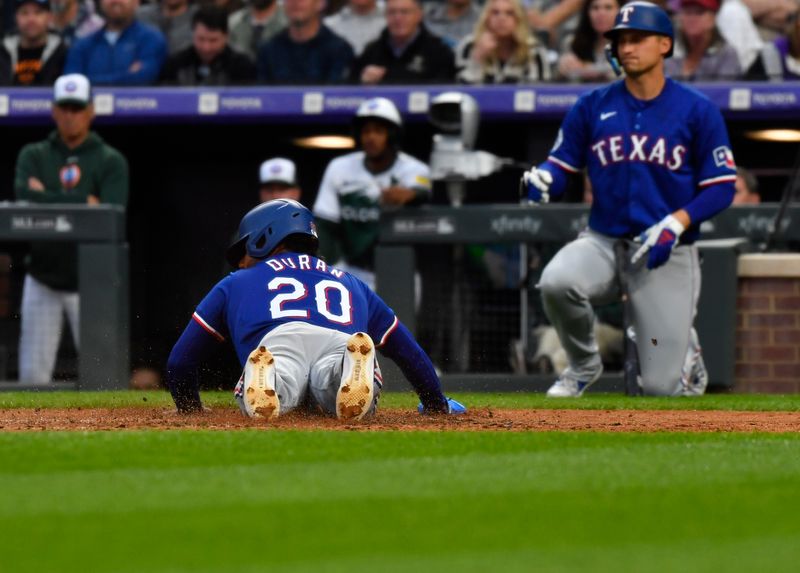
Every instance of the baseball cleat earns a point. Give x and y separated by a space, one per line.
356 392
259 394
568 387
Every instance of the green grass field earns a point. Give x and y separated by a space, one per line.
247 501
746 402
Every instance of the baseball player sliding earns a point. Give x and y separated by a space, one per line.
660 163
304 331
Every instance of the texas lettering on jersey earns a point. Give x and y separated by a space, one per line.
633 147
645 159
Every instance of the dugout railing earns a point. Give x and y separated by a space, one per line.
103 277
736 230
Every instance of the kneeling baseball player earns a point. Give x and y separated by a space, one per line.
659 159
304 331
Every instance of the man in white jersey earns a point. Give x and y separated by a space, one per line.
356 186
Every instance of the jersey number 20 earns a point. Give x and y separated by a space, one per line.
299 292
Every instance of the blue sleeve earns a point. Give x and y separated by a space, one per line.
396 342
193 346
211 313
381 320
710 201
568 155
206 328
572 142
418 369
712 148
716 168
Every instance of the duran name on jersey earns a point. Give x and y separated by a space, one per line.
291 287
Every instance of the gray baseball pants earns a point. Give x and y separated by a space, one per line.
308 365
664 304
43 310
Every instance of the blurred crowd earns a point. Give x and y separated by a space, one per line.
324 42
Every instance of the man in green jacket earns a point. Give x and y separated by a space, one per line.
73 165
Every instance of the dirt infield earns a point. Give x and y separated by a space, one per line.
480 419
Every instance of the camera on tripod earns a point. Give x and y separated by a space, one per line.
456 116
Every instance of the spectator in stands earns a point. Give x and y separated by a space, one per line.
277 178
359 22
502 49
770 15
583 58
701 53
33 57
452 20
759 59
230 6
75 19
173 18
209 61
406 52
746 188
306 52
73 165
788 48
552 20
254 24
123 52
356 186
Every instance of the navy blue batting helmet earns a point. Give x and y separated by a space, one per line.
264 227
643 16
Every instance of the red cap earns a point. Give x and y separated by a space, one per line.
712 5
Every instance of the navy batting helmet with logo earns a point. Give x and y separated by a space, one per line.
264 227
642 16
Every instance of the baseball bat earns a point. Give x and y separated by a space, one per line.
631 371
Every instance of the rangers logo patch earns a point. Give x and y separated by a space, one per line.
723 157
70 176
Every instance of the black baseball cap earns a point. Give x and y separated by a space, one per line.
40 3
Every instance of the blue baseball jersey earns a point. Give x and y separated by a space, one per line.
291 287
646 159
